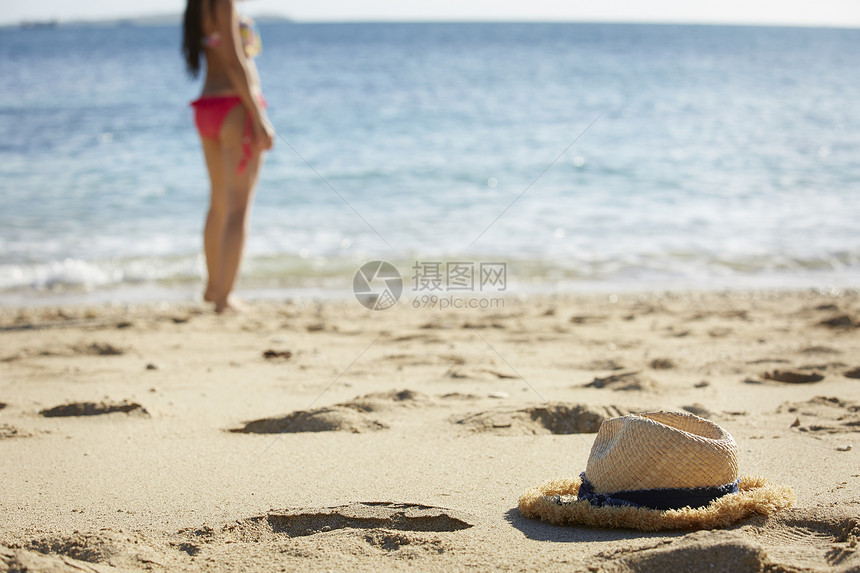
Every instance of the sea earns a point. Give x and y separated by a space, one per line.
581 156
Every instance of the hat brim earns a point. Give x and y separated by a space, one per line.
555 502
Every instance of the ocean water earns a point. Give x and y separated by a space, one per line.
579 154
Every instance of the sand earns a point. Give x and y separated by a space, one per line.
323 436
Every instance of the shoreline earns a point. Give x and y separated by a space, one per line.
189 294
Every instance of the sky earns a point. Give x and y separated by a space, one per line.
844 13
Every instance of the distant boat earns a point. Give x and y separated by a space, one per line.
39 24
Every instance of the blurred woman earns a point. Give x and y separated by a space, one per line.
231 119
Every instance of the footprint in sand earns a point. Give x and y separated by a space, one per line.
662 364
380 401
734 554
364 515
404 545
82 349
404 530
482 325
719 332
805 539
546 419
588 319
402 360
425 338
478 374
768 361
601 365
97 349
277 354
8 432
853 373
75 551
820 350
792 376
790 540
823 414
624 381
840 322
331 419
94 409
352 416
15 559
698 410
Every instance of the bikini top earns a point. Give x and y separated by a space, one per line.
247 31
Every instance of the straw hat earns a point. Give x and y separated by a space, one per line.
655 471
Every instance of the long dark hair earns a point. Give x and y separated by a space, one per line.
192 34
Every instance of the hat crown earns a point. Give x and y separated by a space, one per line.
657 450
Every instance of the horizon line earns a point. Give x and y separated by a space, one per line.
142 20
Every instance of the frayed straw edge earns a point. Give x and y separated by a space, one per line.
755 496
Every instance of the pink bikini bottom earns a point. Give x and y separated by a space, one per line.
209 115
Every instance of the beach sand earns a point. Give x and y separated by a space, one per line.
312 435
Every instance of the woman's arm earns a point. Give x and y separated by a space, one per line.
240 71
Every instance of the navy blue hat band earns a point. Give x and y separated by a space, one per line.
662 499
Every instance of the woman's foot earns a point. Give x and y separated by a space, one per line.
209 294
231 305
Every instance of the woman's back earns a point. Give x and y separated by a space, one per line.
218 80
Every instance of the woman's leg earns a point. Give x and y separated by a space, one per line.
215 218
237 196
